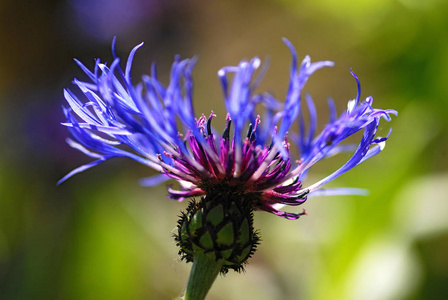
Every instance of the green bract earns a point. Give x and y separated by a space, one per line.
222 229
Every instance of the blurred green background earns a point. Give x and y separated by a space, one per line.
102 236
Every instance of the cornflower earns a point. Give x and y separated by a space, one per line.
249 167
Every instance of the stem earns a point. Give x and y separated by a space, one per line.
203 273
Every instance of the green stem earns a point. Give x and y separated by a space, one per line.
203 273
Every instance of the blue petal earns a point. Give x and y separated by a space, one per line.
80 169
339 191
154 180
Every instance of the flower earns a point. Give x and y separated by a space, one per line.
156 125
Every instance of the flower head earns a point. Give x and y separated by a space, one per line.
157 126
